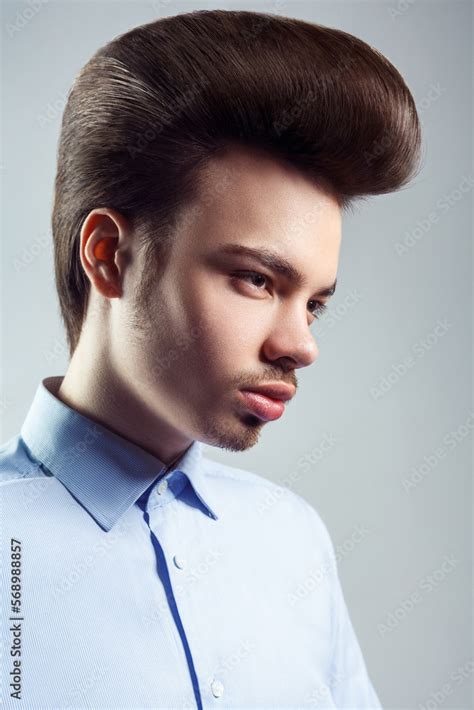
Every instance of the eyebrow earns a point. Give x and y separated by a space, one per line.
276 262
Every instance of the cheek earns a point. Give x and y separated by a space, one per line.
227 323
209 326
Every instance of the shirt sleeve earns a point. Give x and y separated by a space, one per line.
350 685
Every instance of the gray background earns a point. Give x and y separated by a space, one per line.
350 444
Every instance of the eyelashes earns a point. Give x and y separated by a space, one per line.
319 308
248 276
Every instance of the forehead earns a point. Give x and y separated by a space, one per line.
250 198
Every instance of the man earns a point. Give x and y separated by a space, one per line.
204 163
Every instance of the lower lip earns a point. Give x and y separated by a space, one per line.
264 407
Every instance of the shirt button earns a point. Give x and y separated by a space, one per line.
217 688
179 561
162 487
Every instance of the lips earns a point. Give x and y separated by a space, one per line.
262 406
277 391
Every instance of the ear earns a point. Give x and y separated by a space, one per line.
104 237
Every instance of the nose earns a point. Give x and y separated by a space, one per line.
291 339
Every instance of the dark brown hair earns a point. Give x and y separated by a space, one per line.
150 108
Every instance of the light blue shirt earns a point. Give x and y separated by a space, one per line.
127 585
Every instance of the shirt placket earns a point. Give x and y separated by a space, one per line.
165 519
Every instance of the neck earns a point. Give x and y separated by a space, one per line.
92 387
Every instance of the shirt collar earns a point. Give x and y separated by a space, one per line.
104 471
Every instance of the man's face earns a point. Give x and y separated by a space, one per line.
208 334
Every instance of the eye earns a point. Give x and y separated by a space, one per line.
250 276
318 309
253 276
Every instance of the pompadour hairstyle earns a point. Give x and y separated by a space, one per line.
151 107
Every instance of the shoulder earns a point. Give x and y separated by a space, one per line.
16 463
274 499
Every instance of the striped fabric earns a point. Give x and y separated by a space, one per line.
130 584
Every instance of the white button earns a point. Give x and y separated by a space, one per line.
162 486
217 688
179 561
